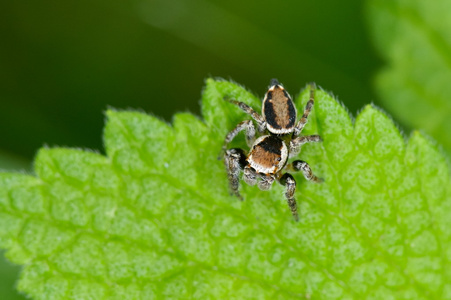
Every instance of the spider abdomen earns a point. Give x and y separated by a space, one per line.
268 154
279 111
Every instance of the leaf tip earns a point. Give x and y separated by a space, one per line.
111 113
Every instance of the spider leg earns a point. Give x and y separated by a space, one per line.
300 165
266 182
290 187
247 109
308 107
250 134
295 144
290 184
235 159
250 177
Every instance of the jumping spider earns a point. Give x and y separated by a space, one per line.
268 154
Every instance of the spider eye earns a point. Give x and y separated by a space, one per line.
279 159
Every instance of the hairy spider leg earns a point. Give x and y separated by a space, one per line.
247 109
295 144
235 160
300 165
250 135
265 182
290 184
308 107
250 176
290 187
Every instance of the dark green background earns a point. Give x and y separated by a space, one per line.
62 63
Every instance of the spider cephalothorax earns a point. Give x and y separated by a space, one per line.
268 154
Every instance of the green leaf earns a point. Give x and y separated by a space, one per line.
414 39
154 220
9 272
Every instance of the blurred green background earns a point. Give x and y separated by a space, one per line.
62 63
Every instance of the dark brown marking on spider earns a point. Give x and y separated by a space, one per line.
270 114
271 144
268 96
